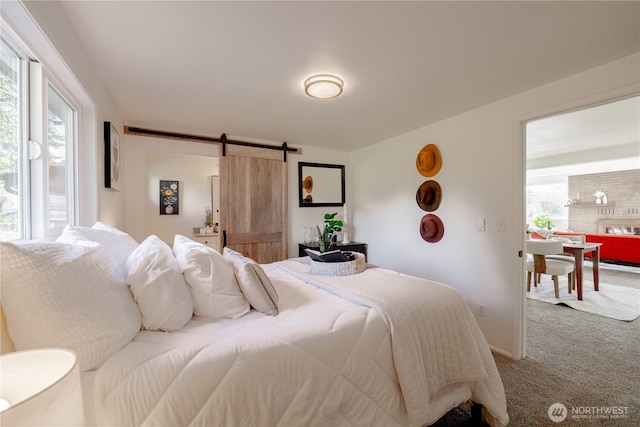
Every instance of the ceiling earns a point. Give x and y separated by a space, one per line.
601 138
210 67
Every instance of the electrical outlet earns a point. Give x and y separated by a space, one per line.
482 310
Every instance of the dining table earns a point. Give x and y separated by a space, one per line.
579 250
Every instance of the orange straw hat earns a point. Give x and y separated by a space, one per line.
428 161
307 184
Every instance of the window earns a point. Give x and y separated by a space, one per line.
38 139
549 199
61 141
12 97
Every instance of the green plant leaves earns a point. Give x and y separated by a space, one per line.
327 237
543 222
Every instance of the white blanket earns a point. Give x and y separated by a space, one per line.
322 361
436 341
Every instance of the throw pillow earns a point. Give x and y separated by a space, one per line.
64 295
158 286
118 244
254 283
211 280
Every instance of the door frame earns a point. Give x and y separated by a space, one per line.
625 92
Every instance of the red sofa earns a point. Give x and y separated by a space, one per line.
616 248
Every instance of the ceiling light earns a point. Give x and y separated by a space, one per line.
323 86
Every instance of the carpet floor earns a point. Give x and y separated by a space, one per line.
588 363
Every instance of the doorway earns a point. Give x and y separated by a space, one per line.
596 139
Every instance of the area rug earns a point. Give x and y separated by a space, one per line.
616 302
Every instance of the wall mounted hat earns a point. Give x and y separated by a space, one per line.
429 195
429 161
431 228
307 184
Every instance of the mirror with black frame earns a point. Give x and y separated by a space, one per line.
320 184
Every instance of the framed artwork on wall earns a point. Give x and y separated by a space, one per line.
320 184
112 153
169 197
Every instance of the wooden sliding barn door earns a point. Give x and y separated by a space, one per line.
253 202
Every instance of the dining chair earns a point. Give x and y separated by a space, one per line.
566 257
539 263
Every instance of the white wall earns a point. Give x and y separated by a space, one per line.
482 176
194 176
147 159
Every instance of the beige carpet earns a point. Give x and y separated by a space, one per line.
612 301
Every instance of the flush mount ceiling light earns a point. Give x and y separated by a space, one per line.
323 86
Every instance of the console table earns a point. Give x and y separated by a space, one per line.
351 246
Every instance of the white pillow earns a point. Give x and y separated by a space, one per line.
158 286
63 295
118 244
254 282
211 280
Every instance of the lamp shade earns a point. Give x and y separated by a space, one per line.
41 388
323 86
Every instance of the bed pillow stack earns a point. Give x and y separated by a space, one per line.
158 286
254 283
66 295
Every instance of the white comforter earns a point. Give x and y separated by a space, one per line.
436 342
322 361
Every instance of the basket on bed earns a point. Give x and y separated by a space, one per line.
345 268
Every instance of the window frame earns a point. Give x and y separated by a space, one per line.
33 173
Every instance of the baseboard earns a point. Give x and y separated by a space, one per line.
501 351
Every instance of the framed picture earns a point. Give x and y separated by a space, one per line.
112 164
320 184
169 197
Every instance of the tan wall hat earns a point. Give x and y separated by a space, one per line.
307 184
429 161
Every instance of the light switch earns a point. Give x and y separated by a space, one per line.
480 224
502 224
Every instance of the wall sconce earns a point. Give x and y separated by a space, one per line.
41 387
323 86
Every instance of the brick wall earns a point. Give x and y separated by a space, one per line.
623 197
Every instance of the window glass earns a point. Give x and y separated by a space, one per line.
12 87
549 199
61 136
37 178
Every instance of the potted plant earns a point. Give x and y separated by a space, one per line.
543 222
208 219
328 235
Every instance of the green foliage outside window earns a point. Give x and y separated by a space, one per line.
543 222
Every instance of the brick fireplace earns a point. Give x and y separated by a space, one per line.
620 226
620 214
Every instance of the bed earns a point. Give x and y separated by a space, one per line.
285 347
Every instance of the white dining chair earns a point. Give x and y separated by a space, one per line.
540 264
580 238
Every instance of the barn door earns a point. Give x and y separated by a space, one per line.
253 202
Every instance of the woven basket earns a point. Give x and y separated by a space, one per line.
346 268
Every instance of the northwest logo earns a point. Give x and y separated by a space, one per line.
557 412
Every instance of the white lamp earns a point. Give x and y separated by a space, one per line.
323 86
41 388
